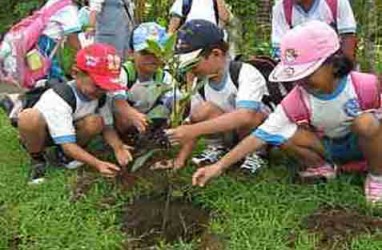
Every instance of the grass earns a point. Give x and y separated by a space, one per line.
261 212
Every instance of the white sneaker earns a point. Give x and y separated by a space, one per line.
210 155
253 163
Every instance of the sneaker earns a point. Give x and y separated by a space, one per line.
252 163
65 161
37 172
325 172
210 155
354 167
373 188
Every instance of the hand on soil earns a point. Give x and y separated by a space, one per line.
123 155
180 135
139 120
167 164
107 169
205 174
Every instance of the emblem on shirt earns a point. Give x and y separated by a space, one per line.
352 107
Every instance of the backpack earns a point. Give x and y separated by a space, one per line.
288 9
365 86
24 64
264 65
65 91
186 8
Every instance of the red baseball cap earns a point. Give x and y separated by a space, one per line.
102 63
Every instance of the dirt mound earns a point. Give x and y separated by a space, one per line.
148 221
337 226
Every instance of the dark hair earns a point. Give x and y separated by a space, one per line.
342 65
223 46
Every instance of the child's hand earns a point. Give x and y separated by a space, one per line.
180 135
123 155
139 120
173 164
205 174
107 169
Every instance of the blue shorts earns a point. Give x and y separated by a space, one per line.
342 150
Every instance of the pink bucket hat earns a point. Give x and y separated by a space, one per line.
303 50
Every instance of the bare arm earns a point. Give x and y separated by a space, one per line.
76 152
74 42
348 45
224 13
121 151
125 111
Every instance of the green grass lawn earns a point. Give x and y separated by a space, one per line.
262 212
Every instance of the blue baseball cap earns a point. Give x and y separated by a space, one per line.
193 37
148 31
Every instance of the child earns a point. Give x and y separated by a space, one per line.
141 76
220 110
338 13
55 120
330 100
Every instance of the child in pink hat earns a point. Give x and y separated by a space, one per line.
329 118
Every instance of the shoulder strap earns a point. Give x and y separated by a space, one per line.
216 11
333 5
130 72
65 91
48 12
102 101
234 71
366 88
288 8
295 107
186 8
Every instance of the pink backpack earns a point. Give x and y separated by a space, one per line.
288 8
366 87
16 68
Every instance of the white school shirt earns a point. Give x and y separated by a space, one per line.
60 118
225 95
63 22
332 114
200 9
320 10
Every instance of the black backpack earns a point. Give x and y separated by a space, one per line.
186 8
64 90
264 65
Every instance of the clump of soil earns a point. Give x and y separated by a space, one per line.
150 221
338 226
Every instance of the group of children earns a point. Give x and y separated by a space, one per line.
330 117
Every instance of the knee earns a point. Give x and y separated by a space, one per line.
30 119
205 111
92 124
365 125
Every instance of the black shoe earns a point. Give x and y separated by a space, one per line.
65 161
37 172
6 104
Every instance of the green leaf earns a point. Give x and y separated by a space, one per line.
140 161
155 48
169 46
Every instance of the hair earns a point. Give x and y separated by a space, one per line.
223 46
341 64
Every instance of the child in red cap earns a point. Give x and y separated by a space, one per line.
69 115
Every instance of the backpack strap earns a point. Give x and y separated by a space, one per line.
186 8
333 6
366 88
216 11
295 107
234 71
288 8
49 11
102 101
130 72
66 92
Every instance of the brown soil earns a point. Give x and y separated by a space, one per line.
338 226
144 221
